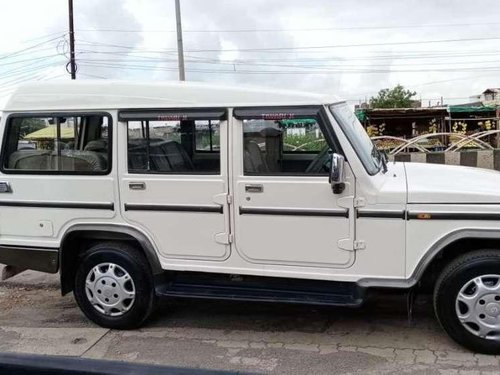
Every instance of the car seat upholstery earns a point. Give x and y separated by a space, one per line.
30 159
254 160
164 156
68 160
98 145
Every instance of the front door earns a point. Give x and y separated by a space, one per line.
173 180
285 212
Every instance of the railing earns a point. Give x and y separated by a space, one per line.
473 140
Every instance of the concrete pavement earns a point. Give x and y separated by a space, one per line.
253 337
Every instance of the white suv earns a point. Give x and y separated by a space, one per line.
134 191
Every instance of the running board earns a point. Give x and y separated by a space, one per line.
261 289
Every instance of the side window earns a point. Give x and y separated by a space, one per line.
284 145
180 143
69 144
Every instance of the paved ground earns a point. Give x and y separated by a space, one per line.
257 338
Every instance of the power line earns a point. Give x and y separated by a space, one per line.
92 75
304 48
146 55
315 29
346 45
60 33
21 79
430 83
29 60
465 65
15 53
24 69
323 72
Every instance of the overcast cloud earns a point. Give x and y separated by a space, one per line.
271 56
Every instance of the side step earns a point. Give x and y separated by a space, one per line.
263 289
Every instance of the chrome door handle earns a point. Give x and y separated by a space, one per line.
5 187
137 185
254 188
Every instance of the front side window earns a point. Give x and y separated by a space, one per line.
180 143
284 145
69 144
357 136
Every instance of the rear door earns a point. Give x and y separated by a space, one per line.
56 170
285 212
173 180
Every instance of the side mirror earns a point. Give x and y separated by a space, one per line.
337 173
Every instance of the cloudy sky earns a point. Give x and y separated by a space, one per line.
351 48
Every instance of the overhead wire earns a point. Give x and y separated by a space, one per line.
30 48
279 30
303 48
329 71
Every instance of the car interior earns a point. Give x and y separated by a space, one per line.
86 151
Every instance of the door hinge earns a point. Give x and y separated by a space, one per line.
359 202
359 245
230 238
229 199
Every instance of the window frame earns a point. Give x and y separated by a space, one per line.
175 114
318 112
7 132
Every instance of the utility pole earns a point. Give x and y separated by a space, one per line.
180 47
72 63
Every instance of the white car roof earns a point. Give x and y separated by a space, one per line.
107 94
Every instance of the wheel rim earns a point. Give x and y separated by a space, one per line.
110 289
478 306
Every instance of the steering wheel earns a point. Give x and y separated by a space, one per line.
321 163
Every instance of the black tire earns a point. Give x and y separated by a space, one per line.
131 260
452 279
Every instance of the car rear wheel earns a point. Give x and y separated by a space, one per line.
113 286
467 301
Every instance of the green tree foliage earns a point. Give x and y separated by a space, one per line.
397 97
30 125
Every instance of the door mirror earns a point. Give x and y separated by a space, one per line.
337 173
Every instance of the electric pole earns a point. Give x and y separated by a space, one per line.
72 63
180 47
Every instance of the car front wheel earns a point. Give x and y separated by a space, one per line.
467 301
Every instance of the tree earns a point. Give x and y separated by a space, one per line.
30 125
397 97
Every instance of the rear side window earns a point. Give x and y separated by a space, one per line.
174 142
62 144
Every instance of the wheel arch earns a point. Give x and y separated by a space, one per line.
445 249
80 236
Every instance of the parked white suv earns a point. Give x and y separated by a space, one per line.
134 191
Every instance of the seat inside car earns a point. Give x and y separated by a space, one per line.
254 160
164 156
68 160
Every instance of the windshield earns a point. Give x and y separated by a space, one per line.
356 134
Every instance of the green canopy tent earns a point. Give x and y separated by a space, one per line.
471 108
361 115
